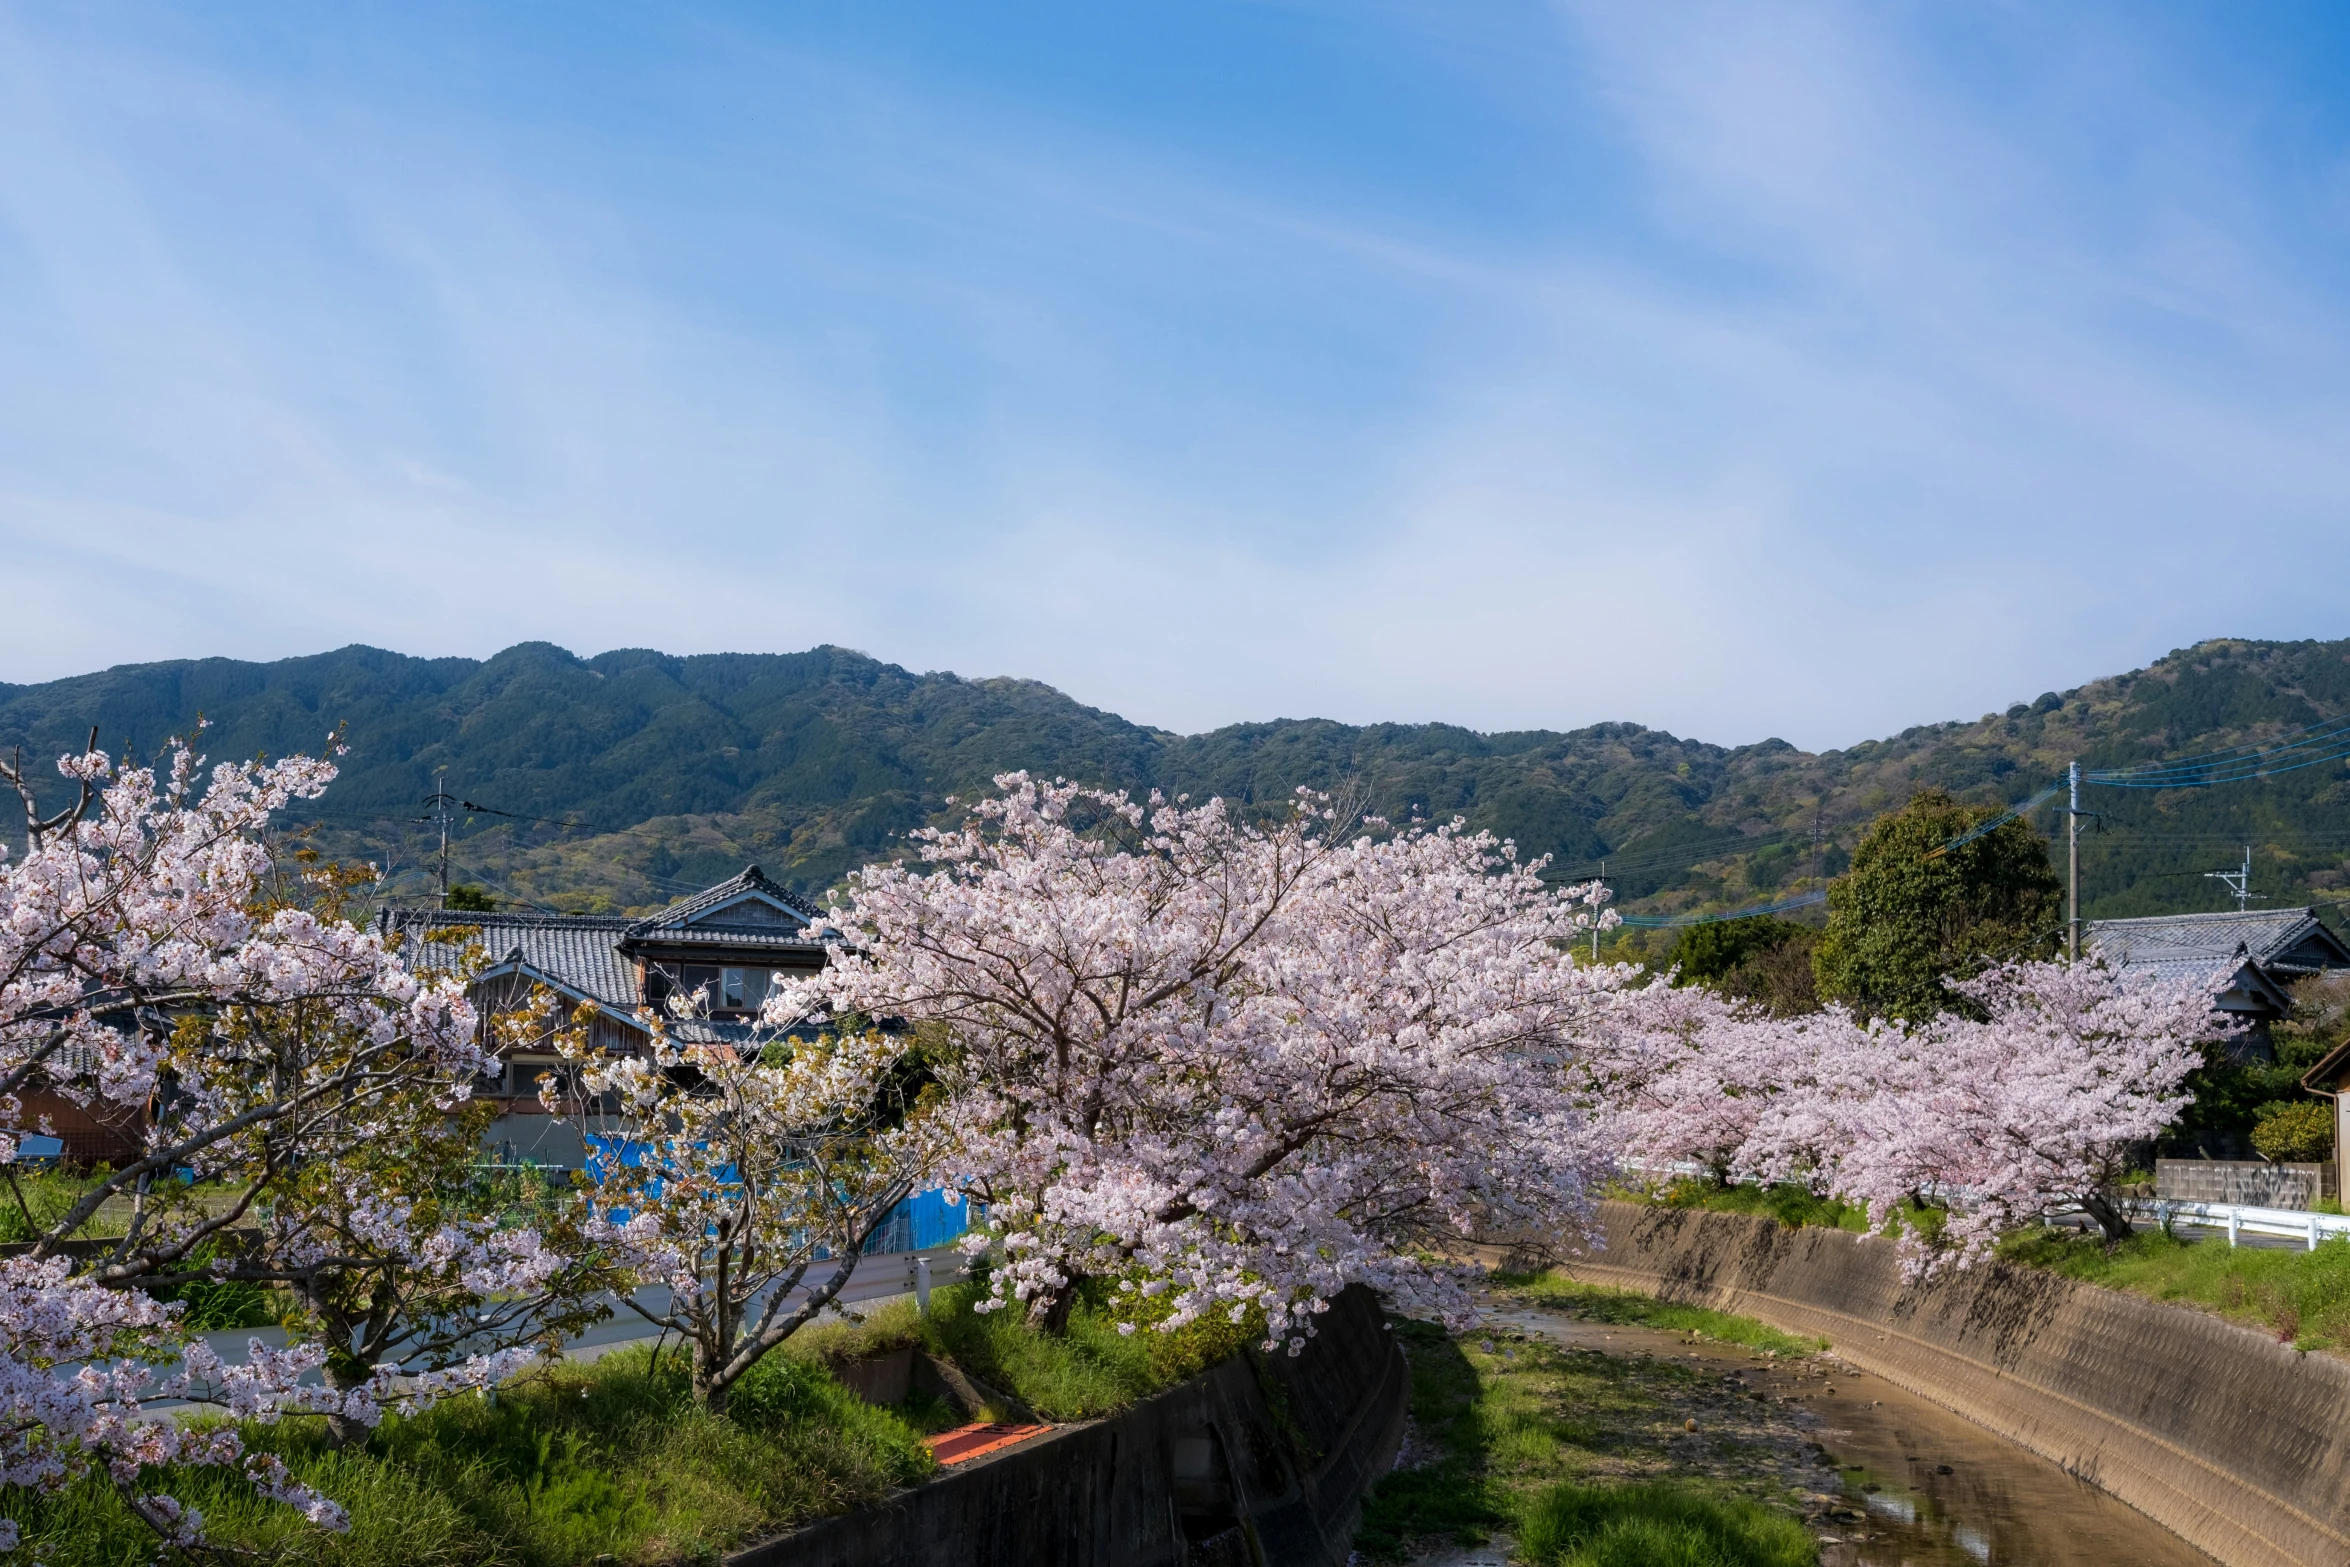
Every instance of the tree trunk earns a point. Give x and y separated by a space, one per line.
2110 1217
709 1392
343 1373
345 1368
1050 1313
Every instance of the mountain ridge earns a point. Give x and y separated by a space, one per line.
679 769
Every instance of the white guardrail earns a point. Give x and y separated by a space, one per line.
882 1274
2239 1220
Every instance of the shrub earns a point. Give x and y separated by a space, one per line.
2296 1133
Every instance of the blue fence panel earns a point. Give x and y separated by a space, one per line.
922 1221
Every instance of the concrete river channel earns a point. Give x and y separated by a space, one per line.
1921 1486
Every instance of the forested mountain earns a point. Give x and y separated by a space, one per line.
632 775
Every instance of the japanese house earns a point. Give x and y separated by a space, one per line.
2257 955
724 946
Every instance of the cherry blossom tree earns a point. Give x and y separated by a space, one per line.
2034 1106
2030 1100
742 1176
1693 1077
1238 1065
147 968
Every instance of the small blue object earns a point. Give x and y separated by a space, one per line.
36 1149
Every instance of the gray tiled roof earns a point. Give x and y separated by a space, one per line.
592 953
579 951
752 885
2291 940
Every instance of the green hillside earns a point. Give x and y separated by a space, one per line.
632 775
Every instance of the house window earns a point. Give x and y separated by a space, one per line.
720 989
742 989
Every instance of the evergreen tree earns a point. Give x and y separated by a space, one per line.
1763 960
1906 917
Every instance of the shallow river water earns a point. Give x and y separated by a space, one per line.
1933 1489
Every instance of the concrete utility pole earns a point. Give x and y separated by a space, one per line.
1595 914
2072 857
440 800
2238 882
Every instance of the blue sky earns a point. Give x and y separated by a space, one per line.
1736 369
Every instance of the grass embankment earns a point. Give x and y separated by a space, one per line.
610 1460
1599 1303
1590 1460
2303 1297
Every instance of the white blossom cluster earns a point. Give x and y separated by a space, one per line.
739 1173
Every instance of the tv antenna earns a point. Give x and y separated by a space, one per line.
2239 882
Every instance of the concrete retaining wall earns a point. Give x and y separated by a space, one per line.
2236 1442
1263 1460
2249 1182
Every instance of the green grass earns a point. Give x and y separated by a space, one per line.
2303 1297
1089 1371
609 1460
1598 1303
1453 1496
1514 1433
1657 1526
48 1196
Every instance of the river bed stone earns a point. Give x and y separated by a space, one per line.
1882 1477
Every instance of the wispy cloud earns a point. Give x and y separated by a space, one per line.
1809 370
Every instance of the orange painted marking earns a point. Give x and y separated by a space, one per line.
965 1443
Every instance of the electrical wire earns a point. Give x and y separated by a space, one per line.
1801 900
2324 728
2316 747
513 816
1999 821
1671 855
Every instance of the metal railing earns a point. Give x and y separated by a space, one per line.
882 1274
2240 1220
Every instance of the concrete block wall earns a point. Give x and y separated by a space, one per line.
2229 1438
1264 1459
2251 1182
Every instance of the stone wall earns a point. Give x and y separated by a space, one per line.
2236 1442
1264 1459
2252 1182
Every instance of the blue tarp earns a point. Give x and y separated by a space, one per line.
922 1221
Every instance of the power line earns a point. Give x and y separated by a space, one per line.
1801 900
515 816
1673 855
2308 735
1993 824
2317 750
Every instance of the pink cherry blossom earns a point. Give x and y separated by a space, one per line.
152 963
2028 1097
1236 1065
